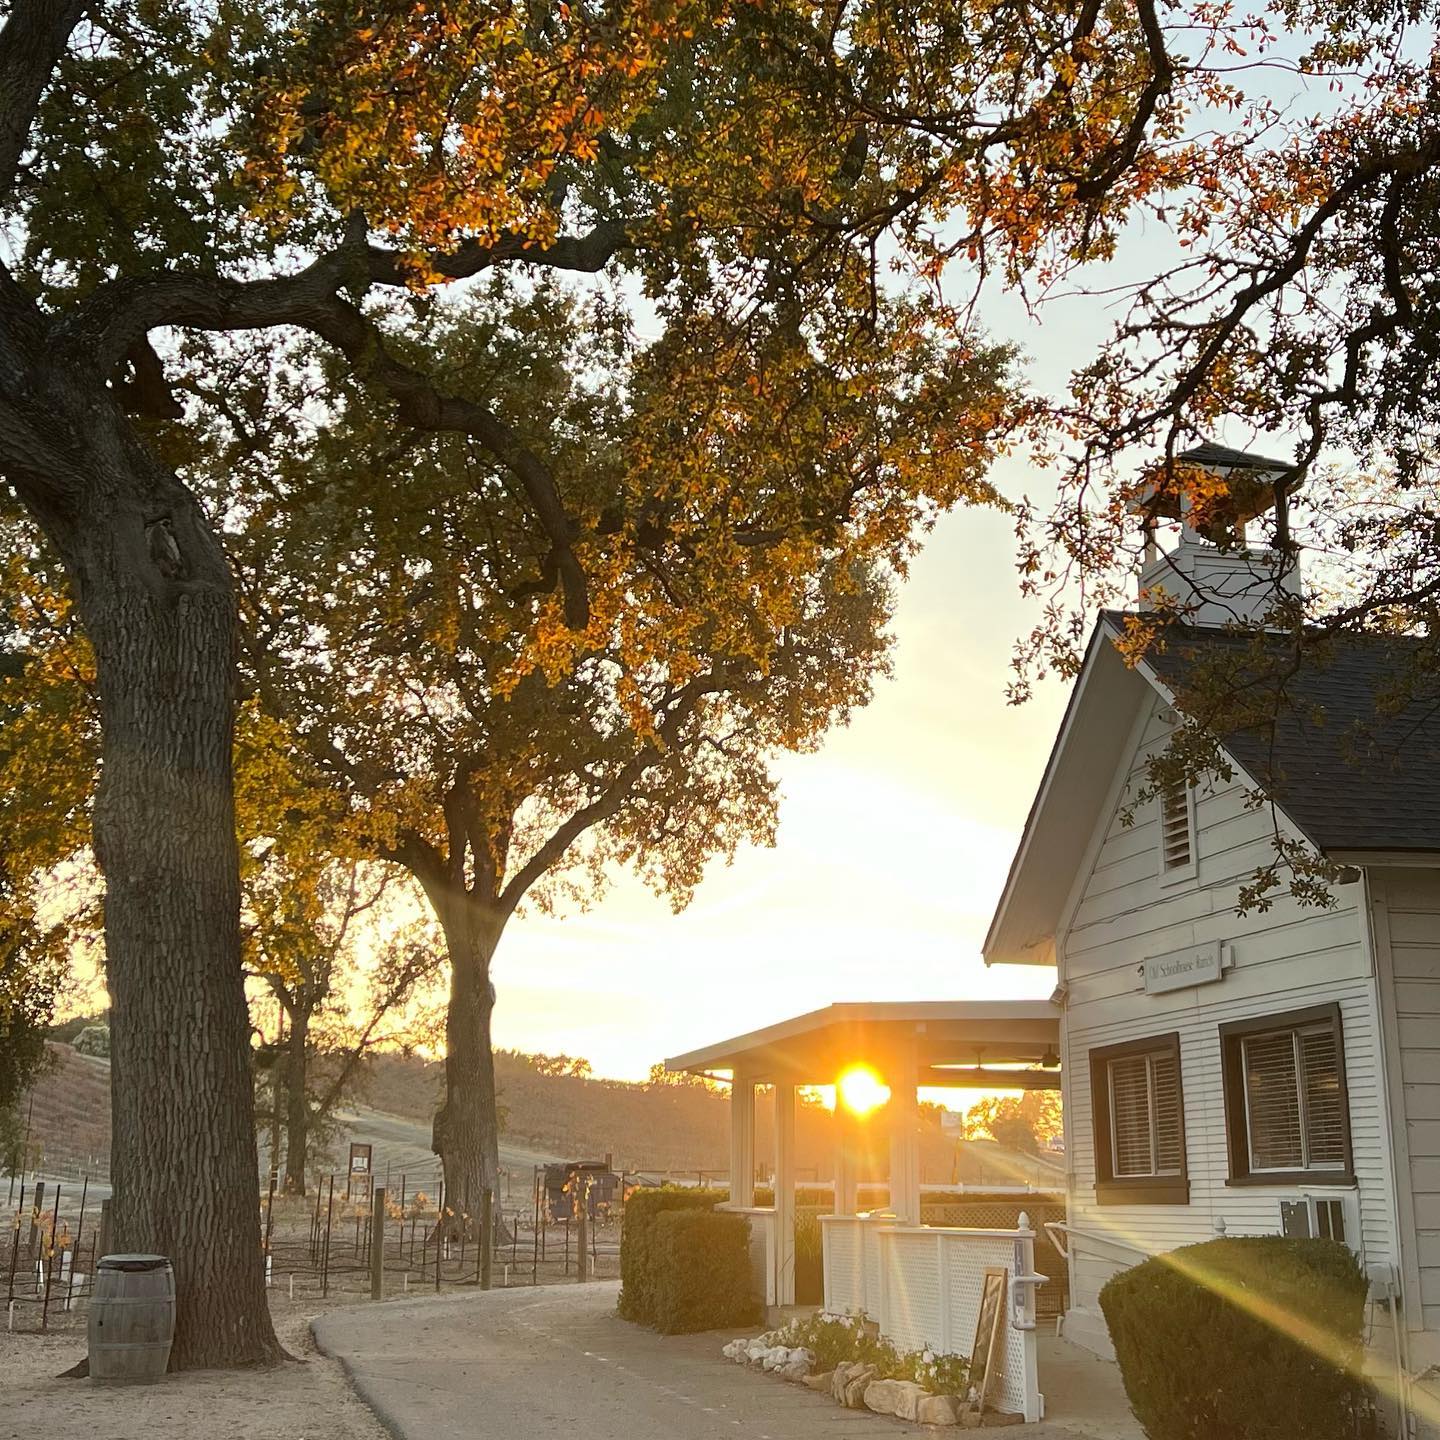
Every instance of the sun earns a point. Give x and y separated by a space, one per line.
861 1090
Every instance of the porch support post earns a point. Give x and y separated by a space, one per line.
846 1166
742 1142
784 1194
905 1136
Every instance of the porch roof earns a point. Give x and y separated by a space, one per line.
954 1042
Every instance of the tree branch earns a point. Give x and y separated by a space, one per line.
587 253
121 313
31 44
611 798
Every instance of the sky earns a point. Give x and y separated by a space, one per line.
893 844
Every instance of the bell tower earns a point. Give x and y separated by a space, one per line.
1212 572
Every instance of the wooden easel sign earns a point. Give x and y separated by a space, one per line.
987 1359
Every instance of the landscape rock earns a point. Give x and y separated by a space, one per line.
797 1364
820 1383
838 1379
882 1396
938 1410
907 1407
756 1350
861 1378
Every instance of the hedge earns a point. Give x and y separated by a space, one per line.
1244 1338
809 1261
643 1209
701 1275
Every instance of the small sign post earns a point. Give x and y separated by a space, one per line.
358 1185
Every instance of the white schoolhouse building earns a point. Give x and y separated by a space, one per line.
1277 1071
1271 1072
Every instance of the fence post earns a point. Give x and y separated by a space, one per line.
487 1237
582 1258
439 1221
377 1244
37 1205
1024 1319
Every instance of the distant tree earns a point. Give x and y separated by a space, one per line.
576 1067
1026 1123
43 819
94 1040
344 973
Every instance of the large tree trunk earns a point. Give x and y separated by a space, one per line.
467 1126
297 1105
155 597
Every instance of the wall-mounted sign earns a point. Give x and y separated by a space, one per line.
1177 969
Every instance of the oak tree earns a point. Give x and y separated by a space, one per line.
767 175
391 634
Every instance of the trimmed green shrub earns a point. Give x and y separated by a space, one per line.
809 1260
701 1274
637 1243
1244 1338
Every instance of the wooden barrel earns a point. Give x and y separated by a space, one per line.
132 1319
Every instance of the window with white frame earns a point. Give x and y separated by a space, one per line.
1139 1122
1286 1109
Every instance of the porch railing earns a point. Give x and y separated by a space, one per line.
922 1285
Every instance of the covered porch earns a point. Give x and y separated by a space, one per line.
920 1284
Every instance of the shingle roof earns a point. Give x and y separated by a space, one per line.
1353 756
1208 453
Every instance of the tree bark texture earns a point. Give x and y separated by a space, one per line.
467 1131
297 1105
155 597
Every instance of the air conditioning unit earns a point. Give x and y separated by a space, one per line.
1324 1215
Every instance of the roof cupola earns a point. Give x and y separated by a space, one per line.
1212 572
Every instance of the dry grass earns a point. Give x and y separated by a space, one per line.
307 1398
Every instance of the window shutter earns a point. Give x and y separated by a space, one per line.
1273 1102
1175 826
1130 1116
1324 1119
1169 1124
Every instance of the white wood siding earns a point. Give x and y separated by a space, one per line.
1285 959
1407 933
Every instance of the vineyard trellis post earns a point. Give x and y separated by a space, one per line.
15 1246
325 1244
439 1221
79 1235
377 1244
487 1237
48 1259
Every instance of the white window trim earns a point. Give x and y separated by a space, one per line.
1176 874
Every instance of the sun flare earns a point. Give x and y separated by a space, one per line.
861 1090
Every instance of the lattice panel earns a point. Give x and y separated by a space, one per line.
870 1258
842 1251
912 1319
967 1258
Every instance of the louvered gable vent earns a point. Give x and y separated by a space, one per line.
1175 838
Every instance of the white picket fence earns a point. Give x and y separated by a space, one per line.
921 1284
